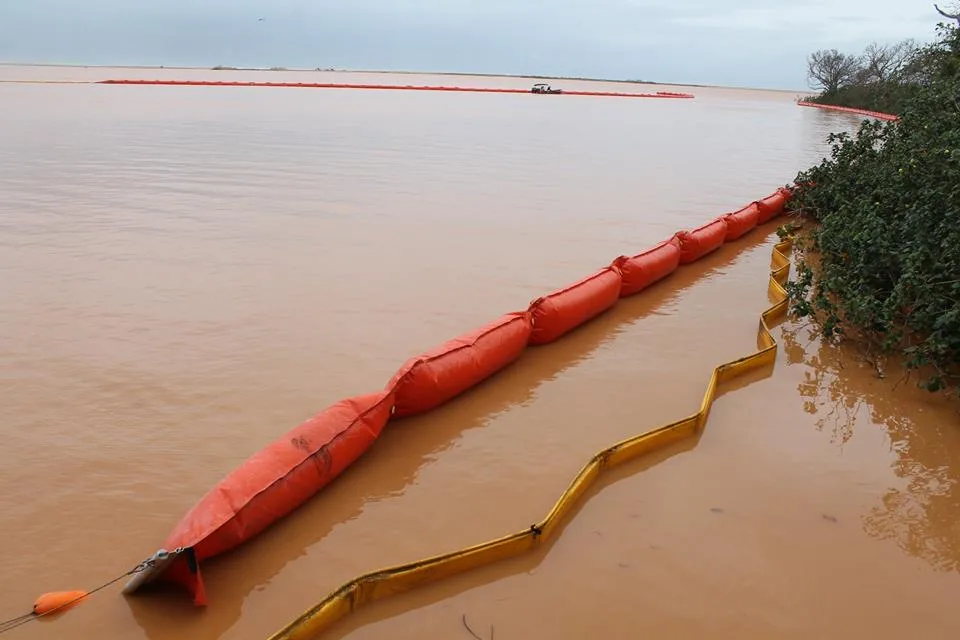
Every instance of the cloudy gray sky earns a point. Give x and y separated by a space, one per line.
756 43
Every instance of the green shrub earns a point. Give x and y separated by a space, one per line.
882 261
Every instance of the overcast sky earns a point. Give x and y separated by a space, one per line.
754 43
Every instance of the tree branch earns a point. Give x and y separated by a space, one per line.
952 16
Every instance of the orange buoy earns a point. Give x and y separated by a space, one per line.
57 601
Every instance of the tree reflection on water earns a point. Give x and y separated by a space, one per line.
921 512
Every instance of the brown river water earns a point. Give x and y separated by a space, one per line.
187 273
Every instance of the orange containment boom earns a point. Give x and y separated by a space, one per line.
642 270
444 373
862 112
742 221
269 485
702 240
287 472
395 87
562 311
772 206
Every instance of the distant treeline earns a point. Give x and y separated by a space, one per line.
883 78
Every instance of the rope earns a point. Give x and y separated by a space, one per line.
6 625
13 623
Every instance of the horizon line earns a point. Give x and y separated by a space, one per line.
383 71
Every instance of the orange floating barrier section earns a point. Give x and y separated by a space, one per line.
862 112
430 380
566 309
642 270
702 240
742 221
274 482
771 206
395 87
297 465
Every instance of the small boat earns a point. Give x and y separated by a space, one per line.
542 87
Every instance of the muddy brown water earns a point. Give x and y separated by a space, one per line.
187 273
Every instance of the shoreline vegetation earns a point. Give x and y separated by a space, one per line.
884 78
879 262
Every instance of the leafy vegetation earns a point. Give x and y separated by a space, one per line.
882 260
885 77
